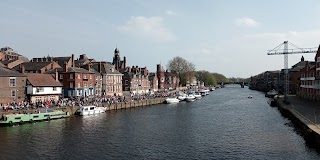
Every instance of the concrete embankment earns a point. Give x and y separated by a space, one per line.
116 106
309 130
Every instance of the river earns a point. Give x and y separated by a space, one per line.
223 125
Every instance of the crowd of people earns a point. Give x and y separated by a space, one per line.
98 101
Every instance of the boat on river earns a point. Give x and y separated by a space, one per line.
41 115
90 110
271 93
172 100
197 95
190 98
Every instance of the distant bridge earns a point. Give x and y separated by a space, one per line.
240 83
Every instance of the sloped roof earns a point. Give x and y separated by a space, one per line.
6 62
32 66
6 72
95 72
42 80
78 70
106 68
52 71
61 60
297 67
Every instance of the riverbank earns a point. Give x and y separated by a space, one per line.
109 107
303 116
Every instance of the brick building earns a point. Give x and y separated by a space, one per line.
111 78
13 85
42 88
136 80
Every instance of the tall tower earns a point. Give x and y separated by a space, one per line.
116 59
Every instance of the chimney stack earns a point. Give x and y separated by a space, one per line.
22 69
72 59
99 67
56 76
65 67
88 66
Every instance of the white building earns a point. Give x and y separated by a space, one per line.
42 88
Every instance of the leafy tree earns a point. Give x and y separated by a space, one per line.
206 77
220 78
183 68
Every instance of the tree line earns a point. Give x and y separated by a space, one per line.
185 70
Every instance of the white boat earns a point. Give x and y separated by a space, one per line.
197 95
203 92
90 110
172 100
212 89
207 91
271 93
182 97
190 98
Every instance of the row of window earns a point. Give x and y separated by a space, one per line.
41 89
78 76
85 84
114 79
116 88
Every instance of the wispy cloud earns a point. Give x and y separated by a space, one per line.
151 27
247 22
171 13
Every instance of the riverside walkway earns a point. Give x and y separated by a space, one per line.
308 112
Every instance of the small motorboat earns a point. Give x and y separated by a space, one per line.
90 110
172 100
190 98
197 95
271 93
182 97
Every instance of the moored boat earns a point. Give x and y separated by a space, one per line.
271 93
43 114
197 95
90 110
172 100
190 98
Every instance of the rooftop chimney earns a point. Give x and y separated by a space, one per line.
22 69
65 67
72 60
56 76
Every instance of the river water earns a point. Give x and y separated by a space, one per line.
223 125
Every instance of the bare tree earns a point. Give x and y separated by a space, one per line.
183 68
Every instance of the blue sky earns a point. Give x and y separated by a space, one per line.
225 36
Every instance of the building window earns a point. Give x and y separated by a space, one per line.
13 93
79 76
71 84
61 76
71 76
54 88
79 85
84 76
12 81
84 84
90 76
90 84
39 89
